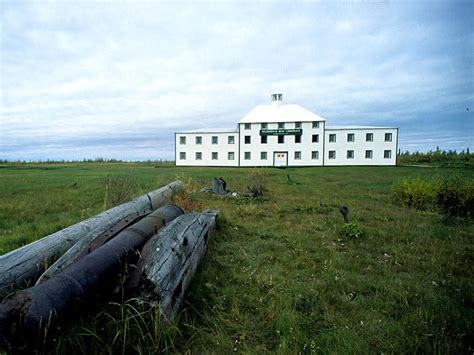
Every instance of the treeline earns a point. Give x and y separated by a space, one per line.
442 157
89 161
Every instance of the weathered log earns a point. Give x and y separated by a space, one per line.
30 317
170 258
24 265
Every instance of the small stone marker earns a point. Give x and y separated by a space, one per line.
345 213
219 186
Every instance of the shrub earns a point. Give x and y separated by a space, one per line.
455 197
258 187
119 188
416 193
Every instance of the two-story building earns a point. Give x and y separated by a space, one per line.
286 135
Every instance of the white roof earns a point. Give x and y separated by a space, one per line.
357 127
210 130
282 113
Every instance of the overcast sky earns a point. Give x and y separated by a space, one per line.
85 79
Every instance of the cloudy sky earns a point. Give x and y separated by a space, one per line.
86 79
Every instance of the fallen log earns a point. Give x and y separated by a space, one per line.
169 260
24 265
31 317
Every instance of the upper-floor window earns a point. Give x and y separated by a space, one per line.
198 140
215 139
388 137
297 155
315 138
264 125
247 139
297 124
263 139
182 156
214 155
369 137
247 125
230 139
368 154
350 154
263 155
350 137
332 137
315 124
298 138
281 139
230 156
198 155
182 140
247 155
387 154
332 154
281 125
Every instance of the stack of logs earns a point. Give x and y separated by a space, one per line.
161 243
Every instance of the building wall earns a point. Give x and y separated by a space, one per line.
207 148
305 147
360 146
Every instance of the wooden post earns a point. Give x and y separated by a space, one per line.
24 265
169 260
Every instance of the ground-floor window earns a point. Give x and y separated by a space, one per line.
263 155
230 156
297 155
315 154
350 154
332 154
247 155
387 154
198 156
214 155
182 156
368 154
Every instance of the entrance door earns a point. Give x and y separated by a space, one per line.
280 159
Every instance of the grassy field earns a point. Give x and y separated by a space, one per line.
281 274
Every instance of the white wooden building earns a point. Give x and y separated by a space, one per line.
286 135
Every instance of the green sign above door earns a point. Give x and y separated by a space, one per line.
281 132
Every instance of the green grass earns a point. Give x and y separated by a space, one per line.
281 274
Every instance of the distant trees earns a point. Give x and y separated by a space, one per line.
436 157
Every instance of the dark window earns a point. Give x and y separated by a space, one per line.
263 155
388 137
387 154
182 140
350 137
230 139
247 139
315 138
297 124
247 155
215 140
315 154
297 155
332 137
332 154
264 126
298 138
369 137
315 124
198 140
247 125
368 154
350 154
230 156
281 139
182 156
281 125
214 155
198 156
263 139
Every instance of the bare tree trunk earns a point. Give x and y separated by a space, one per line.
23 265
169 260
33 316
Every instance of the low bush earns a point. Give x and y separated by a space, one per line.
450 197
352 230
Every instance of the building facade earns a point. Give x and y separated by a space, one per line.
286 135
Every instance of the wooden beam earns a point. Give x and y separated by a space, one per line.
23 265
